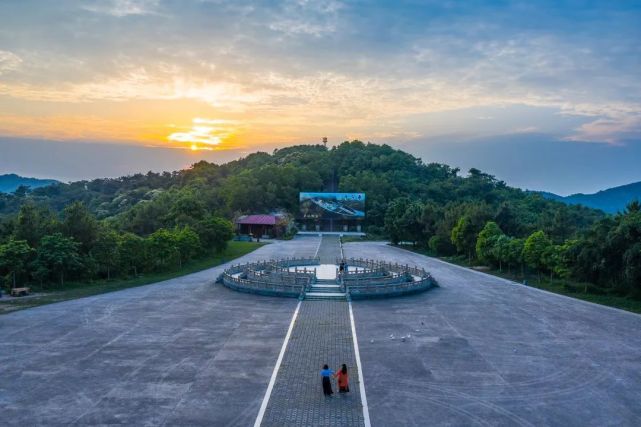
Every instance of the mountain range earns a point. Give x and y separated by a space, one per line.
10 182
612 200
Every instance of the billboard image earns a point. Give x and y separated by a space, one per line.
332 205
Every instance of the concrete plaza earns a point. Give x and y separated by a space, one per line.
476 351
181 352
486 351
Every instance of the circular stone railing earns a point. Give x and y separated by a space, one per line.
382 279
272 277
294 277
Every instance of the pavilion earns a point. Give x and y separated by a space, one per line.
261 225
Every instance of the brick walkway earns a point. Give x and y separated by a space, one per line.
322 334
329 249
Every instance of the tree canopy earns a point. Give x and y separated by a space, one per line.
153 221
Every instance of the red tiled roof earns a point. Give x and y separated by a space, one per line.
257 220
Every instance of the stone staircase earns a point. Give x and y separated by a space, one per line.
324 290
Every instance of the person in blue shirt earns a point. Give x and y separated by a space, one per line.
326 374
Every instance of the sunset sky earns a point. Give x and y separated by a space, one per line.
545 97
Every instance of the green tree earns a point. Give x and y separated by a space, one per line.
187 243
464 236
79 224
485 242
563 224
629 230
163 249
394 225
515 254
131 253
552 259
431 215
632 268
562 257
14 258
534 251
105 251
440 245
214 233
501 250
57 255
412 223
32 223
145 217
187 208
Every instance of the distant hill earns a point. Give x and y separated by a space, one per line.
10 182
611 200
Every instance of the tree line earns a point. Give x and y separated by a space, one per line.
40 246
606 256
430 204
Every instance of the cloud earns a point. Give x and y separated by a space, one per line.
293 68
307 18
9 61
120 8
65 127
615 129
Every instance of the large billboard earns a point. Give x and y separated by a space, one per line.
332 205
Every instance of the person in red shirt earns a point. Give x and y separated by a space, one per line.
343 379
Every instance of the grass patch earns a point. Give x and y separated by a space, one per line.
365 238
74 290
582 291
577 290
418 250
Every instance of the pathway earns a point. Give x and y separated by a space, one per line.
322 334
329 249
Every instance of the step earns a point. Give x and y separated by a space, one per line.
325 291
316 285
325 299
326 281
325 295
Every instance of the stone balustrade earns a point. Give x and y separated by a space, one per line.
371 279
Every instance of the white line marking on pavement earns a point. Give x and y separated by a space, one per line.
272 381
361 384
318 247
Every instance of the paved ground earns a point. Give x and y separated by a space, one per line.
180 352
481 351
484 351
329 249
322 334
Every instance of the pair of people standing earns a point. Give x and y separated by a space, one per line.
342 267
341 376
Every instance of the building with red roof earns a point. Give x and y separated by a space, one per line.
261 225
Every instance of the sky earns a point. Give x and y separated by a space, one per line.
545 95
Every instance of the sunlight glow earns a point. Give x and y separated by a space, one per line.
204 133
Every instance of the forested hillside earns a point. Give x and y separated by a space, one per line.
174 216
612 200
12 182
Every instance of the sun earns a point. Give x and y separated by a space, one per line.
204 134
